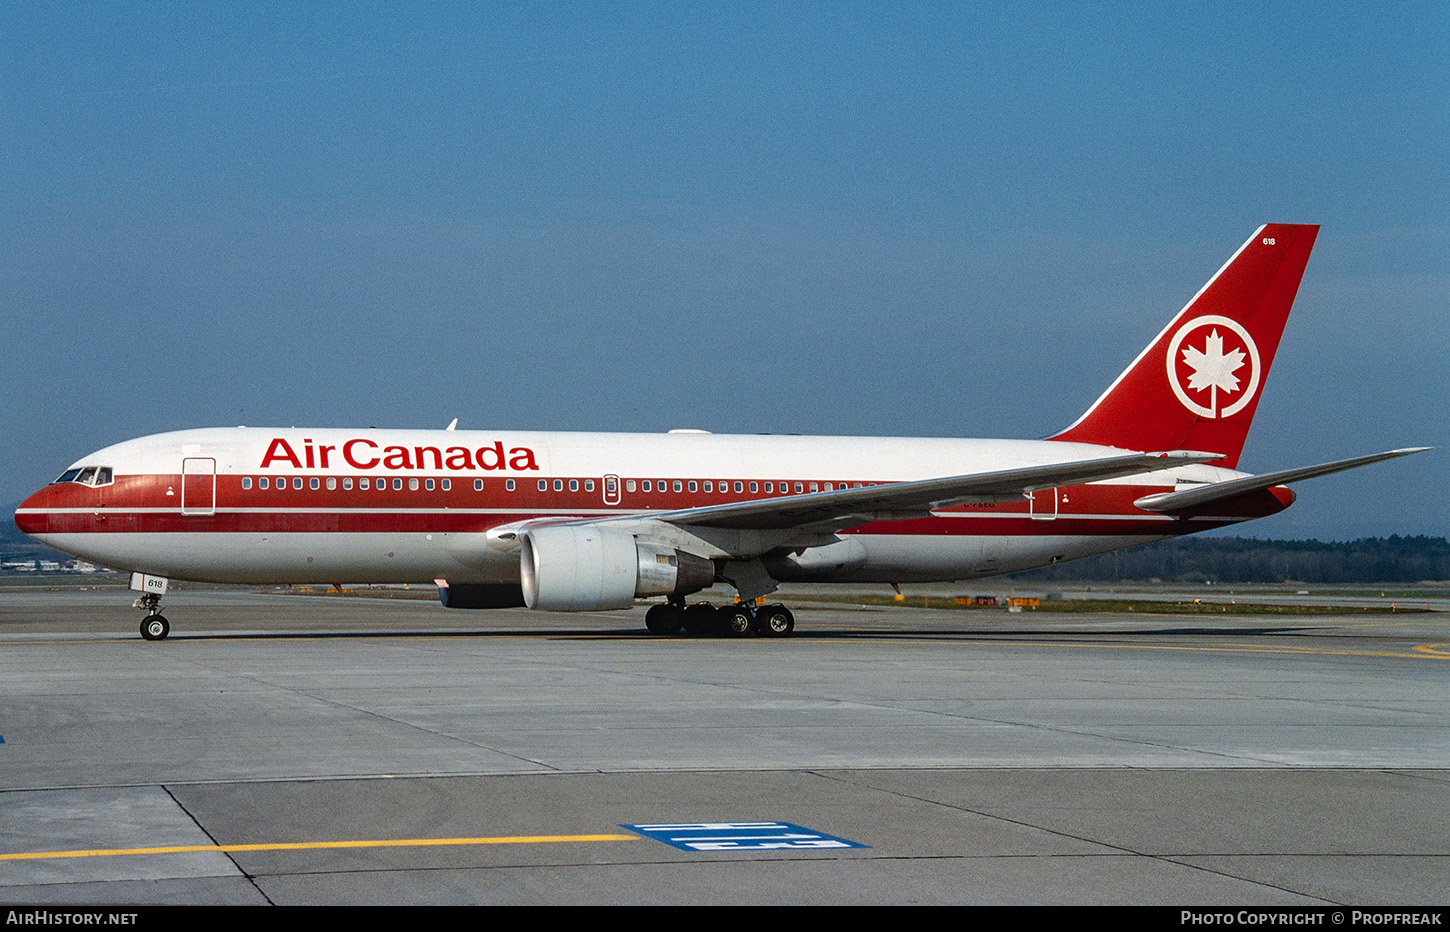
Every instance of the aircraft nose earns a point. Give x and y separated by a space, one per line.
27 517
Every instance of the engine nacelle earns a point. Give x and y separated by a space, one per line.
667 571
586 567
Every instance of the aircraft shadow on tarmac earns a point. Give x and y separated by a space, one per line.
817 634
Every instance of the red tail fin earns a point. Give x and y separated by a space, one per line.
1197 385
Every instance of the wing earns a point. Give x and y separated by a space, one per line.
1218 491
843 508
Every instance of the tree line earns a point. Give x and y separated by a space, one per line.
1393 559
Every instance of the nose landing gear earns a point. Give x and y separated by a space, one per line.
154 627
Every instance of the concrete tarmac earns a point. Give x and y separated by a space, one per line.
311 750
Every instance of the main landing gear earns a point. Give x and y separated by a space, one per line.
704 620
155 627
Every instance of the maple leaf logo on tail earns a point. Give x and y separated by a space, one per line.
1204 362
1213 368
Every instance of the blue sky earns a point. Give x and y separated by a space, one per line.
849 219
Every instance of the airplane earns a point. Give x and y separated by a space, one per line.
577 522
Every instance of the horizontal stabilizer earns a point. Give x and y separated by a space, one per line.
1218 491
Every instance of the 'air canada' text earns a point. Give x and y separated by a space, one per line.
360 453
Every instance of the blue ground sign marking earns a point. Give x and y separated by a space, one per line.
740 836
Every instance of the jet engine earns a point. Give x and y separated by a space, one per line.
586 567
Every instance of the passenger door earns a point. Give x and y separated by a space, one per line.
198 485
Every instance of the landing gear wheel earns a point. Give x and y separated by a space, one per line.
775 621
663 619
699 620
155 628
737 621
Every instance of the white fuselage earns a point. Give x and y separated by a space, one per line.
305 506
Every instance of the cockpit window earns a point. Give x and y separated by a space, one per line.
88 475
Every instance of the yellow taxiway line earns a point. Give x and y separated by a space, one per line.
317 845
1422 652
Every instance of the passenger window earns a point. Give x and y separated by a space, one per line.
246 482
313 484
573 485
262 482
629 485
447 484
815 487
694 486
679 487
398 485
589 485
755 487
364 483
709 486
645 486
798 488
428 484
331 483
412 485
829 486
739 486
558 485
297 483
543 485
347 484
770 487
